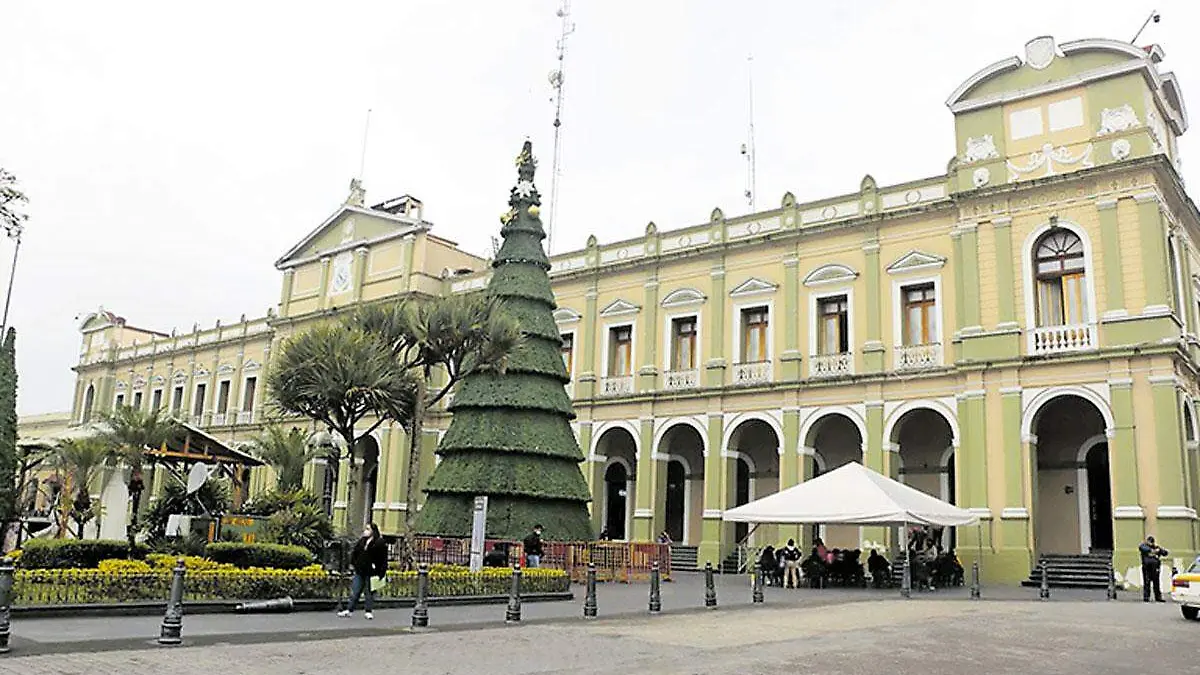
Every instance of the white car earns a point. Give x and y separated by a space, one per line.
1185 589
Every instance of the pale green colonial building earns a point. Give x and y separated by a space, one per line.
1019 335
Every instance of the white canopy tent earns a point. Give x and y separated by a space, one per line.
853 495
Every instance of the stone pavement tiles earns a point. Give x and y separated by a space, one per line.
882 637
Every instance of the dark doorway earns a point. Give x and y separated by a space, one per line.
616 485
1099 498
951 536
742 496
675 500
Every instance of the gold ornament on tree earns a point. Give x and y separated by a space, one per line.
534 210
508 216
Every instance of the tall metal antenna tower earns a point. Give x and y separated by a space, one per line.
748 147
362 159
556 81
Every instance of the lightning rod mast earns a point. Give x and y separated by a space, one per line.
556 81
748 148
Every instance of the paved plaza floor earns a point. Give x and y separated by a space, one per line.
830 632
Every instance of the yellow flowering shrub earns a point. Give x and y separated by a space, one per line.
192 563
122 566
15 555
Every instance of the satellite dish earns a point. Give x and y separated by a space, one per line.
196 477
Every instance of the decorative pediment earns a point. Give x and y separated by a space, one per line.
683 297
915 261
349 227
121 386
251 366
139 381
830 274
158 379
200 372
753 286
619 308
566 315
225 369
180 377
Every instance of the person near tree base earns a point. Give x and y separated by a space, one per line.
533 547
369 562
1152 555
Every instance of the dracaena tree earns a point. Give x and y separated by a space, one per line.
453 337
339 376
82 460
287 452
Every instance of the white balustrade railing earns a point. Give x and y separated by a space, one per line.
245 417
1055 339
218 419
918 357
197 420
616 386
681 379
831 365
753 372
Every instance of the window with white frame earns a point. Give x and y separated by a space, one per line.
248 392
833 325
1060 278
156 399
919 321
177 400
1177 296
120 401
198 399
620 351
756 321
568 352
137 400
223 397
683 343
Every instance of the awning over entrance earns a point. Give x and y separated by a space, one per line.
853 495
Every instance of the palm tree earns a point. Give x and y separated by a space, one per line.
82 460
339 376
287 452
457 335
132 432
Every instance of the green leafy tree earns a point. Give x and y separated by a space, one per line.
8 432
82 460
132 433
213 498
455 337
301 525
287 452
340 376
11 219
510 438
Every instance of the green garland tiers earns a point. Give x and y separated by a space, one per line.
511 438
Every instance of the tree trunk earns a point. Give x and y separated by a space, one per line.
414 467
135 499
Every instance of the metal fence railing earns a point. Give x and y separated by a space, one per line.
615 560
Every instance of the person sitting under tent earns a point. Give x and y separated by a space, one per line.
814 568
880 569
767 564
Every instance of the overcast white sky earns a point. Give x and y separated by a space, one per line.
173 151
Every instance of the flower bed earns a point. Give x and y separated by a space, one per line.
113 583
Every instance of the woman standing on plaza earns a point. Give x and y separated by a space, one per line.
369 561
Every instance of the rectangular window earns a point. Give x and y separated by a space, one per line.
1061 301
620 351
137 400
568 352
120 401
156 399
755 322
920 315
683 343
833 336
223 397
177 400
198 405
1025 123
1066 114
248 394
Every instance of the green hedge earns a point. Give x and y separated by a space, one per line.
244 556
478 472
522 281
75 553
524 247
540 356
513 391
532 317
530 431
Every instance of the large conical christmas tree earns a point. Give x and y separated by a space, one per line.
510 437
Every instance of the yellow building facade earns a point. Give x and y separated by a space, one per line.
1018 335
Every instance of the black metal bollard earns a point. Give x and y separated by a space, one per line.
513 613
420 615
6 588
1112 582
1044 590
710 590
655 591
172 624
756 597
276 606
589 601
976 591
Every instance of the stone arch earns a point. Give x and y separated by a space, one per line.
1038 402
890 426
616 497
752 451
604 427
692 422
682 443
806 427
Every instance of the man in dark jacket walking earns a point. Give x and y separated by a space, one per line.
533 547
1152 555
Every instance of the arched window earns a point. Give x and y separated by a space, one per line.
88 399
1061 289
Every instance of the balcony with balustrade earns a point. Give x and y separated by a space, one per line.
616 385
245 417
753 372
1062 339
918 357
219 419
831 365
674 380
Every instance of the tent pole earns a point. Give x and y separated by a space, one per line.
906 584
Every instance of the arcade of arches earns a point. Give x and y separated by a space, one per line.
1055 473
